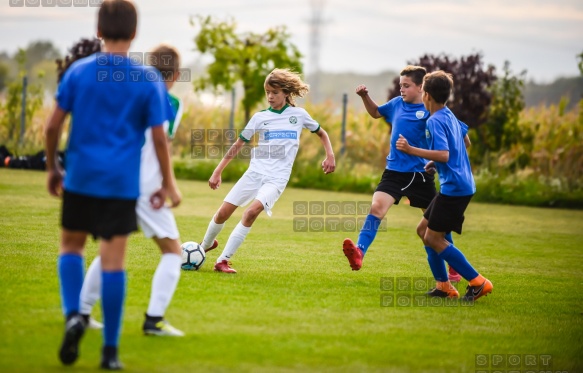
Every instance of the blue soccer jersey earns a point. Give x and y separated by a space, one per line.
446 132
112 103
408 120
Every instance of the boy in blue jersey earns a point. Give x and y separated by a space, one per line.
405 174
158 224
110 114
447 153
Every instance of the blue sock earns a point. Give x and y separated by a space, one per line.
436 264
368 232
449 238
112 297
458 261
70 269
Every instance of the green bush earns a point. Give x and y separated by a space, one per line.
528 190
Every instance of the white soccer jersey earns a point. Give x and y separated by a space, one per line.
150 174
279 139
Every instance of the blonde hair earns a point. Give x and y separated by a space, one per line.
289 82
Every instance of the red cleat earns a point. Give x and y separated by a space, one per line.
213 246
353 254
453 276
223 266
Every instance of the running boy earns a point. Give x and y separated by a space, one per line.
445 138
405 174
158 224
101 185
279 128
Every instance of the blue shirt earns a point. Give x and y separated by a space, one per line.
408 120
111 108
446 132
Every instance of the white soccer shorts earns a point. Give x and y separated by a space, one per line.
253 185
156 223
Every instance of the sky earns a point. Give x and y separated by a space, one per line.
366 36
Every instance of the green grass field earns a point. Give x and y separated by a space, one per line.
295 305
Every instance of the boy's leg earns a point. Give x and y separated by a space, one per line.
238 236
478 285
164 285
452 274
381 203
91 292
216 225
443 288
70 267
113 279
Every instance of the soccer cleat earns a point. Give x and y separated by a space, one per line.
353 254
475 292
109 360
436 293
162 328
213 246
91 323
94 324
223 266
74 330
453 276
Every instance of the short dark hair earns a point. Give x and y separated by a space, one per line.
439 85
117 19
166 59
416 73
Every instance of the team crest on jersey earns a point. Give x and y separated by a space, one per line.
420 114
293 120
427 134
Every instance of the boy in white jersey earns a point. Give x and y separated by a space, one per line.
159 225
279 129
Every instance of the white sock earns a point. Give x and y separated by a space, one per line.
91 290
212 232
235 240
164 284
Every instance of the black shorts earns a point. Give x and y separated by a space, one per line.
419 187
446 213
102 217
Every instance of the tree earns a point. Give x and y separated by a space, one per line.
12 106
245 57
471 97
580 64
3 75
501 129
38 51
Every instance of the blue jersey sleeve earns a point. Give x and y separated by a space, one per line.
65 91
464 128
387 110
436 128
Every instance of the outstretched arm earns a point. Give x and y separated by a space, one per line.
329 164
371 107
215 179
433 155
52 135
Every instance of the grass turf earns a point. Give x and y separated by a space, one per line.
295 305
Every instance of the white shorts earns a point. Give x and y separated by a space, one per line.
156 223
253 185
